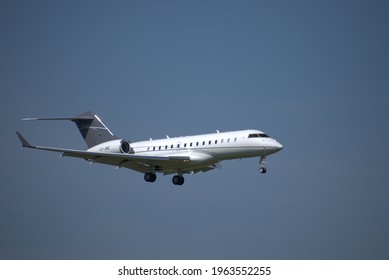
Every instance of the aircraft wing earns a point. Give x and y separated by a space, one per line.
139 163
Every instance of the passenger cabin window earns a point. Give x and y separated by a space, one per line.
209 142
197 143
203 143
215 141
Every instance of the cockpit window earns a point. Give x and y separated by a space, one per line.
254 135
257 135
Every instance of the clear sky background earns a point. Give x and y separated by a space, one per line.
312 74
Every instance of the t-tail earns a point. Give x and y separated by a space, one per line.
91 128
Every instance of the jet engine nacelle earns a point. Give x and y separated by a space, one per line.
115 146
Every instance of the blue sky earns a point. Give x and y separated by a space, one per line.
312 74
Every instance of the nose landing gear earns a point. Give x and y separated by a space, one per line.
262 168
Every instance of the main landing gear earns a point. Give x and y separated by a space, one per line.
178 180
262 168
150 177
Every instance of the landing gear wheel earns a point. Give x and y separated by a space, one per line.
150 177
178 180
262 168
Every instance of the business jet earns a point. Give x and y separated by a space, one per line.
179 155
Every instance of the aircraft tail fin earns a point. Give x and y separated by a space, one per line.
90 126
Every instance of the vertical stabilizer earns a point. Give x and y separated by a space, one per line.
93 129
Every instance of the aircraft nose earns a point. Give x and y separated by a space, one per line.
277 147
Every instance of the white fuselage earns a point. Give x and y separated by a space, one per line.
212 147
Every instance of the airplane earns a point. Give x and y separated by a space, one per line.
178 155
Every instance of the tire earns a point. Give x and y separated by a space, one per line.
262 170
150 177
178 180
153 178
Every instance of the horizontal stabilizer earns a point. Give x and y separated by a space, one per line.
59 119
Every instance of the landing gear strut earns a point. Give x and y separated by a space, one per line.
262 168
178 180
150 177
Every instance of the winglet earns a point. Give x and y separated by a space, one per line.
25 143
